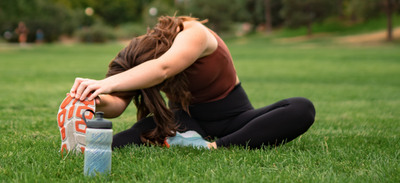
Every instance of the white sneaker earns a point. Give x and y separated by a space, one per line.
188 138
71 125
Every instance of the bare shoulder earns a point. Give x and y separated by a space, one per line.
192 24
194 34
194 27
200 32
192 43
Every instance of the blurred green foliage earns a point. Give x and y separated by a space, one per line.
117 12
162 8
361 10
124 19
97 33
256 12
305 12
54 19
223 14
130 30
220 13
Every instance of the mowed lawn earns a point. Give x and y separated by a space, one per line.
355 138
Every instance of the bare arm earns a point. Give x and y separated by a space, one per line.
112 106
188 46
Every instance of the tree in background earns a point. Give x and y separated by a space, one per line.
268 19
368 9
305 12
389 7
221 13
262 12
339 7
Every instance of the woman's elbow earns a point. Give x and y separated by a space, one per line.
113 113
112 106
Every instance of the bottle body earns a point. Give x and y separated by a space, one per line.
98 151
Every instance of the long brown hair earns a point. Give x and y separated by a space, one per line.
149 101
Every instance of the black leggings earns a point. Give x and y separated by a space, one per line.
234 121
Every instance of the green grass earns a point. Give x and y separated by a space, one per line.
355 138
339 27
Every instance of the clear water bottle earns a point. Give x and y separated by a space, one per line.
98 145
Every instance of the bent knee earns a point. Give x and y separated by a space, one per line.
305 109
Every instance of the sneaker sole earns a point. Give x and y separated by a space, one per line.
71 125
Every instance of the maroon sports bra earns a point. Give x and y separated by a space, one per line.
212 77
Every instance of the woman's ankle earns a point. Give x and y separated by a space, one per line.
212 145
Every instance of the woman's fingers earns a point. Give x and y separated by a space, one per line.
83 87
97 100
80 85
77 82
82 90
90 88
95 96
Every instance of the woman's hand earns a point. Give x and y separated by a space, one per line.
83 87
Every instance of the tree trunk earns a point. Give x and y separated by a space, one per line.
339 4
268 21
309 29
389 11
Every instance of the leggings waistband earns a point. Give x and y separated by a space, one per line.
233 104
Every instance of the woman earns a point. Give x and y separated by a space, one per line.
193 67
